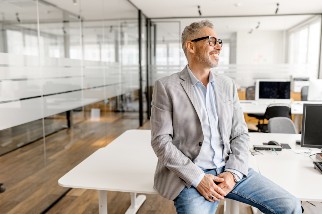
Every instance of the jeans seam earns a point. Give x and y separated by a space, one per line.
255 202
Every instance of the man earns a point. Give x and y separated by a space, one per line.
200 137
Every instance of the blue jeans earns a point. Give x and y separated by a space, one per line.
255 190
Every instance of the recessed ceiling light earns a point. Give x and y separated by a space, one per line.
238 4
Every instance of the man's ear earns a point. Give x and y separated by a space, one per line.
190 47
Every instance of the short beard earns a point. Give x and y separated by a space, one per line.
207 61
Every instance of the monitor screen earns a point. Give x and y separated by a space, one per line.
311 126
273 89
315 90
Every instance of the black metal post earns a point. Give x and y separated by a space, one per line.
140 70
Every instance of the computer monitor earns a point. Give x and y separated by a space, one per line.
311 126
315 90
273 89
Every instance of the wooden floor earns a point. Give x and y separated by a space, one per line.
30 173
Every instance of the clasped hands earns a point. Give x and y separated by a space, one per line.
214 188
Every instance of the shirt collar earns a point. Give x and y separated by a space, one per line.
194 79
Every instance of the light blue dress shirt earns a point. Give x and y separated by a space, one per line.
211 152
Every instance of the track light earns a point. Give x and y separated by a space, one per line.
17 17
258 24
277 7
199 11
64 31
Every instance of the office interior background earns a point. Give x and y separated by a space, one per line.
77 73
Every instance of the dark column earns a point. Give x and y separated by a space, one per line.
140 70
148 67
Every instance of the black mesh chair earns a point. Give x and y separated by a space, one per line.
304 93
278 110
275 110
250 95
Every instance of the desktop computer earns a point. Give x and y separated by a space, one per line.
311 129
311 126
273 90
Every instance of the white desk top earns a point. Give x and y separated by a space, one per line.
290 168
127 165
258 107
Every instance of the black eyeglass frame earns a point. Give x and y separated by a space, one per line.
209 37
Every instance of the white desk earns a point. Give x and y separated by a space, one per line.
128 164
290 168
257 107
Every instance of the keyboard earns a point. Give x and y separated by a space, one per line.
267 147
318 166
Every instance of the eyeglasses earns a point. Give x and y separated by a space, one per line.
211 39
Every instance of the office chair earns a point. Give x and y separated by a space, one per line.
281 125
275 110
278 110
250 95
2 189
304 93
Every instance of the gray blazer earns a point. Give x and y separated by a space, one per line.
177 134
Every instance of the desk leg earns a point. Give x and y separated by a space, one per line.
231 206
297 122
102 201
136 203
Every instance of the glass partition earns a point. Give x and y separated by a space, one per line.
21 110
66 80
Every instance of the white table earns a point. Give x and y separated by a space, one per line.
290 168
258 107
127 165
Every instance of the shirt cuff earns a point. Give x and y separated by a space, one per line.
196 182
237 173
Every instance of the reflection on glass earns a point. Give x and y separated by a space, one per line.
53 76
254 47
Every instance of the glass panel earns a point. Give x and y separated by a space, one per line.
63 82
21 130
169 57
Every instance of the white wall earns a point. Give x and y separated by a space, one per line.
260 47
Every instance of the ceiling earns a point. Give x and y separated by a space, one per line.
115 9
189 8
230 14
124 9
183 9
98 9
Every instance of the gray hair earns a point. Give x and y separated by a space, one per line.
192 30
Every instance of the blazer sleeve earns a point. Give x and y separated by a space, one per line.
239 138
162 136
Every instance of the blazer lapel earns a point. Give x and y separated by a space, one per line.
188 88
